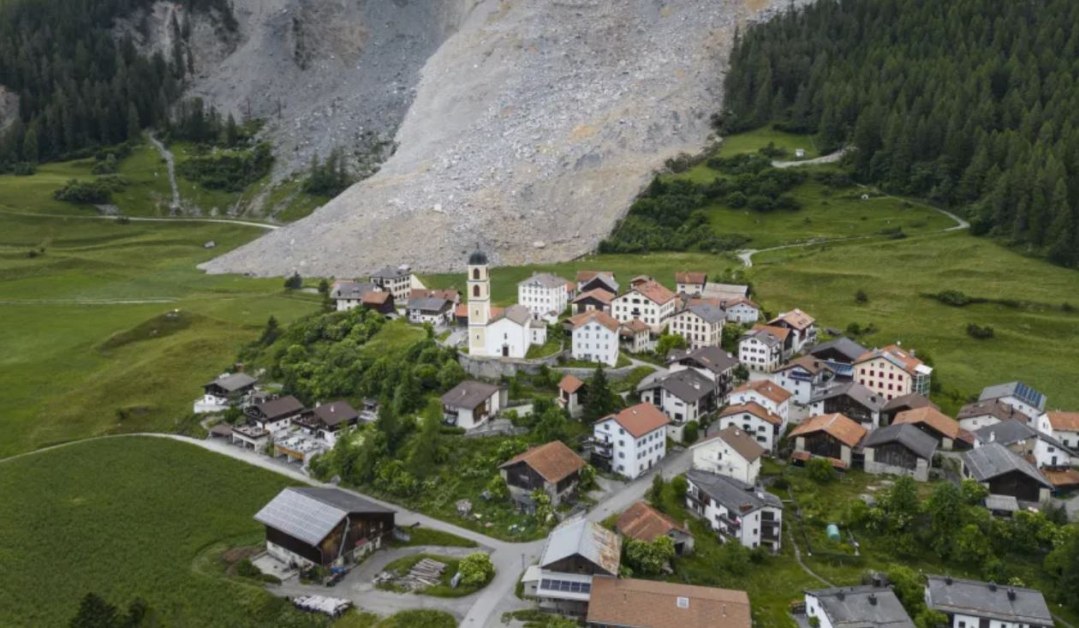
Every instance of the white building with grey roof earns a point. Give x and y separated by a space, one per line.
227 390
329 527
1017 395
471 403
857 607
544 295
972 604
701 324
739 511
685 396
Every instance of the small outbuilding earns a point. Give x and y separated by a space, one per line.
553 468
899 450
1004 472
832 436
470 403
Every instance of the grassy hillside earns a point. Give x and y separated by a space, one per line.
98 279
126 518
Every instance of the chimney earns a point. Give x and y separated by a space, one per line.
992 437
1011 594
947 579
840 596
872 599
992 586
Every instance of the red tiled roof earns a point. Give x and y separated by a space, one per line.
570 383
640 419
795 318
908 361
1064 421
600 317
553 461
1062 478
654 291
932 417
599 294
632 602
753 408
644 523
765 388
778 332
691 277
838 426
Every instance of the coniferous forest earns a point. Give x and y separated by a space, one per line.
79 87
971 104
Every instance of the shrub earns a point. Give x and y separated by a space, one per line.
980 332
689 433
820 470
476 569
82 192
23 169
861 297
294 282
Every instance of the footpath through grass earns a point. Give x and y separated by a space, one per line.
126 518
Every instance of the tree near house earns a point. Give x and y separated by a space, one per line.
645 558
599 399
476 569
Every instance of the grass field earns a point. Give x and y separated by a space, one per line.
99 279
126 518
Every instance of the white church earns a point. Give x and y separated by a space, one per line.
509 332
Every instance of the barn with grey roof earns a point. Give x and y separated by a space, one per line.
975 603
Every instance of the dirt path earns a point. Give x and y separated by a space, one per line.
830 158
170 165
223 221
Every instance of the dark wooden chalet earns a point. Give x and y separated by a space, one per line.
323 526
553 468
1004 472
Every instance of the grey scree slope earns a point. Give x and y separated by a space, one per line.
532 129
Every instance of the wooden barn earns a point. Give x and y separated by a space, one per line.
323 526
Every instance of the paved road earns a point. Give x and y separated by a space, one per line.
223 221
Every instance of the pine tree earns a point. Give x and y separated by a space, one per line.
599 399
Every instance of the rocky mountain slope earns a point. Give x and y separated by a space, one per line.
533 126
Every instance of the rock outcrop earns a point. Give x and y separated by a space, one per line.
532 128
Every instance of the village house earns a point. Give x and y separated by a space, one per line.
831 436
690 283
227 391
553 468
632 441
470 404
847 607
684 396
740 310
570 399
763 348
1063 426
633 603
436 311
851 399
328 420
594 337
899 450
1005 473
378 301
765 426
452 296
971 604
979 414
597 299
893 372
647 300
839 354
644 523
1046 452
397 281
348 295
575 552
544 295
732 452
700 324
775 398
940 426
712 362
803 328
326 527
596 279
738 511
803 377
635 336
274 415
904 403
1017 395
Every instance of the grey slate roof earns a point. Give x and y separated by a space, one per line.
735 495
909 401
429 304
906 434
516 313
544 280
233 381
990 407
391 273
984 599
764 336
714 359
585 538
468 394
351 289
1010 432
855 391
309 513
863 606
993 459
1019 390
688 385
842 345
708 312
